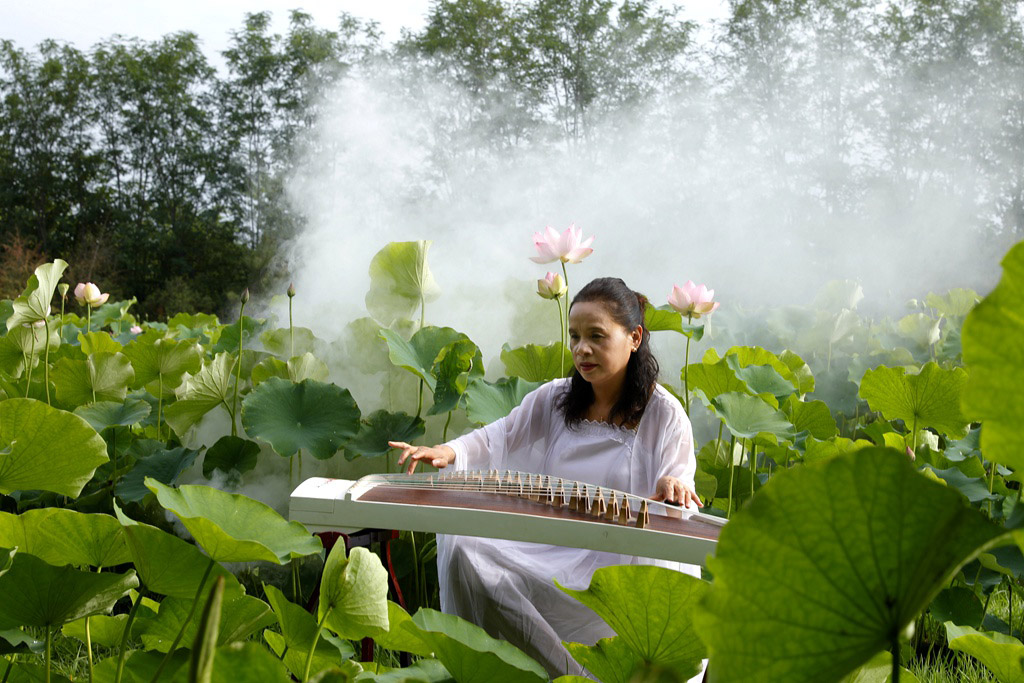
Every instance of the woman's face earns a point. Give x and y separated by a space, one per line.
600 346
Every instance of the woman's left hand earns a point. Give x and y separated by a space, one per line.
671 490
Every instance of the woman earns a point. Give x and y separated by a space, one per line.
610 424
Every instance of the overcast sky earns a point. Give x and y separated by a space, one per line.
85 22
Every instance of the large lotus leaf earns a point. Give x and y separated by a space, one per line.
711 379
420 353
233 528
400 281
193 321
23 672
747 416
154 357
611 660
919 328
165 466
930 398
166 564
1003 655
231 453
241 616
103 375
98 342
34 302
815 450
957 604
651 609
210 387
381 427
265 369
423 671
227 342
487 402
31 341
836 295
813 417
37 594
667 318
354 590
61 536
279 341
401 638
298 630
364 347
307 366
956 303
761 379
995 358
103 630
455 363
790 366
242 663
46 448
804 378
315 417
534 363
865 542
140 667
16 641
103 414
470 654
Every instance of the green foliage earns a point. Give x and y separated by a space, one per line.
353 593
380 427
230 453
487 402
400 281
930 398
60 537
533 363
1002 654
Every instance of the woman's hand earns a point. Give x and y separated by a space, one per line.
438 456
671 490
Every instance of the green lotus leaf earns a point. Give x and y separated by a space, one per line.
650 609
98 342
919 328
23 672
747 416
836 295
423 671
166 564
455 363
401 638
956 303
711 379
959 605
379 428
231 453
790 366
307 366
210 387
813 417
803 378
930 398
242 663
667 318
420 354
400 281
34 302
227 342
46 448
823 450
298 630
761 379
154 357
39 595
140 667
612 660
487 402
241 616
975 489
103 630
31 341
192 321
469 653
265 369
1003 655
103 414
878 669
164 466
860 563
103 375
61 536
993 355
354 593
279 342
315 417
15 641
233 528
534 363
364 347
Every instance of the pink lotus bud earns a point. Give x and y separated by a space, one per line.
552 286
291 290
569 247
63 289
135 329
89 294
245 296
692 300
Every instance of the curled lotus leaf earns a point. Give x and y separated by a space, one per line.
354 593
931 398
487 402
34 302
534 363
61 536
158 359
400 281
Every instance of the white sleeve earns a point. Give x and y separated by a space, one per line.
500 445
668 440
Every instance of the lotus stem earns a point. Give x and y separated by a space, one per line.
124 636
160 408
291 328
444 434
565 276
718 441
238 370
31 361
419 404
423 314
895 678
296 582
991 485
184 624
416 568
732 473
561 338
88 646
686 370
46 361
752 461
7 672
88 318
312 648
49 647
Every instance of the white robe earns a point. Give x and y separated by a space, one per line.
507 587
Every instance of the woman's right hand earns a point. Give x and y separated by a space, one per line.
438 456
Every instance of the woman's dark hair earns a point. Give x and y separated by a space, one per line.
626 308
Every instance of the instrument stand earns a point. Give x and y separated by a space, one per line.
364 538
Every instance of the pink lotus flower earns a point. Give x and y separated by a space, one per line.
552 286
135 329
569 247
692 300
89 294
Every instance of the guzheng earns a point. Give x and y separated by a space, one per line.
510 505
